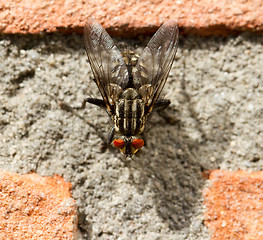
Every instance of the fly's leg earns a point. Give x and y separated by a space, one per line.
98 102
160 106
144 139
111 135
106 144
95 101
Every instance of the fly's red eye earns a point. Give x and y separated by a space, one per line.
137 143
119 143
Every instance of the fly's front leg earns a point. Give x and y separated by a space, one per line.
106 144
111 135
144 139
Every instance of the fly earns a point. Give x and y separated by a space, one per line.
130 85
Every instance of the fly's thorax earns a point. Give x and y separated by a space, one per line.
130 94
129 116
130 57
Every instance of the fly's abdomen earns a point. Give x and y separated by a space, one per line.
129 119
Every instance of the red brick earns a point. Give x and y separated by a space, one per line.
35 207
234 205
128 18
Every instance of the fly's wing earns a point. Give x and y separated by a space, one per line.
108 67
155 63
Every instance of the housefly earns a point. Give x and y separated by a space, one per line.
130 85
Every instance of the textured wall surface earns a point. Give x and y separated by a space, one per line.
169 191
34 207
130 18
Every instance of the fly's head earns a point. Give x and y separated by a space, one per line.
128 145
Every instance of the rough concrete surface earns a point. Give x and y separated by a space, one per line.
216 91
131 17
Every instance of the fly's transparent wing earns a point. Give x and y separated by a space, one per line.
155 63
108 67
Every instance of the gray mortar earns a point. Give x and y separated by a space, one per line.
216 91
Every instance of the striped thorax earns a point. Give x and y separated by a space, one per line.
129 118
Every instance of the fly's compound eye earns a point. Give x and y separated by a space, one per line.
137 143
119 143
